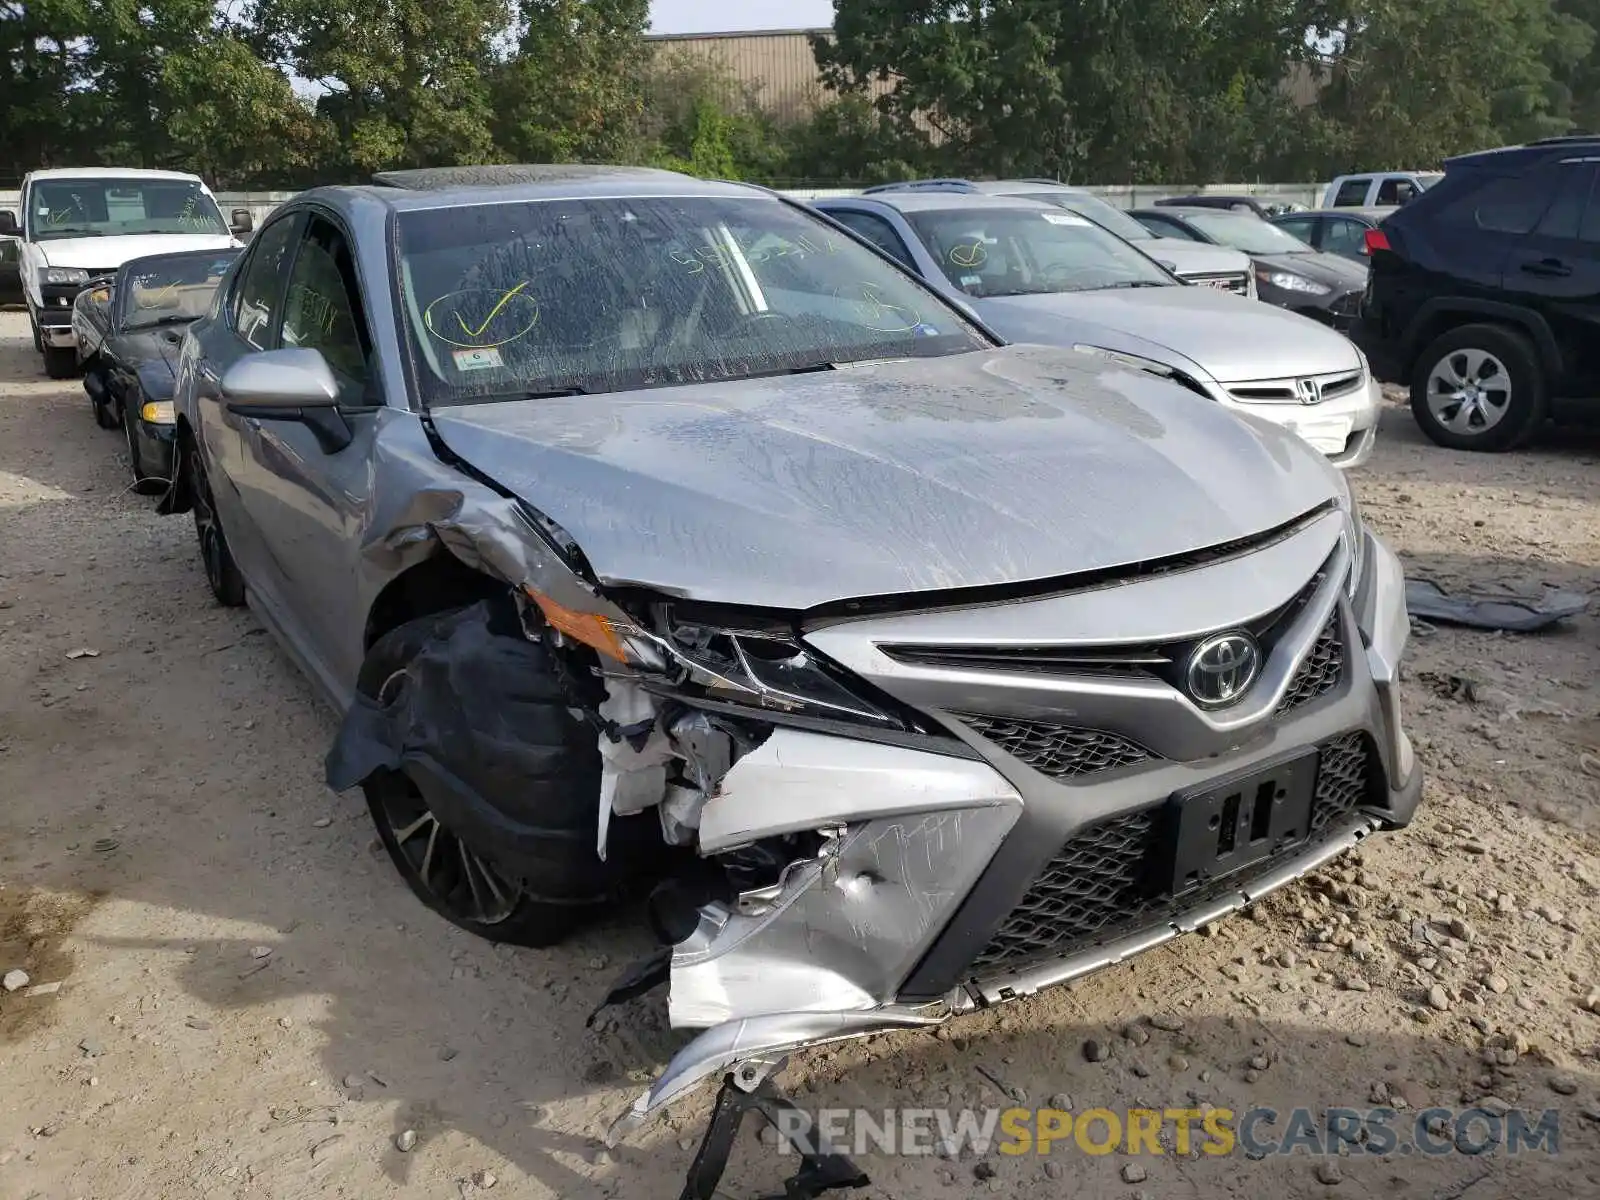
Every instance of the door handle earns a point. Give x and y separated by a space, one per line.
1547 267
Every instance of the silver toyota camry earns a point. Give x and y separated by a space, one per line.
655 536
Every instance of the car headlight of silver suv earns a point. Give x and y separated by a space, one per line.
63 276
1291 282
1355 532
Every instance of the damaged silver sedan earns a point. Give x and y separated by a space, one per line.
654 536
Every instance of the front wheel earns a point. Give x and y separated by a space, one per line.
546 826
227 585
1479 387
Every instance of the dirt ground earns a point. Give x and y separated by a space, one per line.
251 1004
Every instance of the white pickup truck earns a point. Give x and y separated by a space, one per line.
80 222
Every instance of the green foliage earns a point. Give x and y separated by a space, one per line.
290 92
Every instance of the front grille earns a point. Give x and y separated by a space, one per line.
1287 391
1102 882
1227 281
1321 671
1059 751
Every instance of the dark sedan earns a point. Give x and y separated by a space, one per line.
130 328
1341 231
1289 273
1246 204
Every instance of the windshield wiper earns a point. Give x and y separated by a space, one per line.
547 394
75 230
1134 283
169 319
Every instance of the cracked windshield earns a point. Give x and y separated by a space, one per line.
112 207
570 297
1026 252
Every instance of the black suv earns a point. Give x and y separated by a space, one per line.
1484 293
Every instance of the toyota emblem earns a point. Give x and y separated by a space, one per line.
1221 669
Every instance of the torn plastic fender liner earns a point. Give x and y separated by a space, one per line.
482 725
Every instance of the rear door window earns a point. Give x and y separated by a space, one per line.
259 290
1352 193
1514 204
877 231
1342 235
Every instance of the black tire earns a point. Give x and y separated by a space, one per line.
462 883
1504 394
60 362
144 484
227 585
38 338
104 416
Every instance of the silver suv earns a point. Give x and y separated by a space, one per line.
1037 273
647 531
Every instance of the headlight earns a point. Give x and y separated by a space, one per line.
756 666
1292 283
1149 365
767 671
158 412
64 275
1355 532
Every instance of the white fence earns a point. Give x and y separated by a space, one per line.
1124 196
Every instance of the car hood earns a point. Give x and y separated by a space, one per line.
1231 338
98 253
1195 258
159 348
1015 464
1329 269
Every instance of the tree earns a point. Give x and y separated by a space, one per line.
404 80
1398 98
572 90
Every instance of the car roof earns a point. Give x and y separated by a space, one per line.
1186 210
1374 212
982 187
1544 148
934 201
109 173
503 174
622 185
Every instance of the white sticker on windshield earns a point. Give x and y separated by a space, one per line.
486 359
971 280
1063 218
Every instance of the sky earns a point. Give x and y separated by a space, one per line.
717 16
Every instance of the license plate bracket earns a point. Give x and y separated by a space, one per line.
1226 826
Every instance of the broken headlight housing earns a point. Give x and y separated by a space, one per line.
766 669
1355 533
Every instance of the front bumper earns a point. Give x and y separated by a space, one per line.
156 445
54 314
1344 426
934 897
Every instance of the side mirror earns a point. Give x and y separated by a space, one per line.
288 385
8 221
241 221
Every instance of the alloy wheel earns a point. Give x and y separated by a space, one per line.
459 880
1469 391
206 528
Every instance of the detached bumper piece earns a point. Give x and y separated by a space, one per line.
820 1171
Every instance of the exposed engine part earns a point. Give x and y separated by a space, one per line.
634 754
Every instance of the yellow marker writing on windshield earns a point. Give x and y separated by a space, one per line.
493 312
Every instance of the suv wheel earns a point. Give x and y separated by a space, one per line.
1479 387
